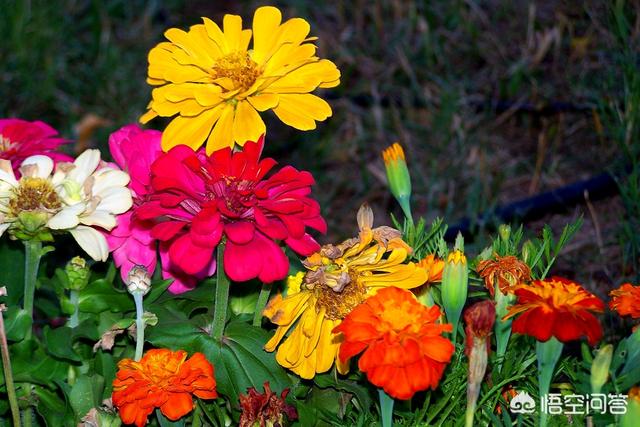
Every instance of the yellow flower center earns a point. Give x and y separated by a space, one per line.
32 194
338 304
5 144
237 67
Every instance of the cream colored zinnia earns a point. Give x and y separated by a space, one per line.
216 86
76 198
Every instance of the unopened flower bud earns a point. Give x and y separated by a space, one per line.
600 368
138 280
479 319
398 176
528 251
78 273
455 279
504 230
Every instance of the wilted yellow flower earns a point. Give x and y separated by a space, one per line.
338 278
215 85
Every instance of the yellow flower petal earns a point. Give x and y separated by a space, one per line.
189 131
247 124
232 27
222 134
263 102
266 21
216 35
302 110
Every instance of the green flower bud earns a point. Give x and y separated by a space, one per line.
504 231
600 368
78 273
454 287
398 176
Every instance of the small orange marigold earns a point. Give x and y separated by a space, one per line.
626 300
161 379
404 350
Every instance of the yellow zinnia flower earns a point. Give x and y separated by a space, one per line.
216 85
338 278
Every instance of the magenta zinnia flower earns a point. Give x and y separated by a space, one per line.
199 199
131 243
20 139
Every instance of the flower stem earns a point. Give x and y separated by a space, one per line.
263 298
8 375
33 253
74 319
386 408
222 296
137 298
548 355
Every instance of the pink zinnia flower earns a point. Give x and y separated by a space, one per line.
199 199
131 243
20 139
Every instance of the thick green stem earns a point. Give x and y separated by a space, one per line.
386 408
221 302
263 298
8 375
137 297
74 319
548 355
33 253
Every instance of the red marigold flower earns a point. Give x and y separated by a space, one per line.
626 300
265 409
556 307
404 351
199 199
161 379
20 139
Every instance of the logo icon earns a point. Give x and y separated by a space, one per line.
522 403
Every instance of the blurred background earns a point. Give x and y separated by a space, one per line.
496 102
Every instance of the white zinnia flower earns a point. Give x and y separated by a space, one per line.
76 198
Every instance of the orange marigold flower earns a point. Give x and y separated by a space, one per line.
404 351
626 300
634 393
506 272
433 266
556 307
161 379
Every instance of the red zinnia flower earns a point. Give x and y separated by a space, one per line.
199 199
626 300
161 379
20 139
404 350
556 307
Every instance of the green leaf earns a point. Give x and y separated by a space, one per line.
101 296
360 392
86 393
166 422
54 410
157 289
239 360
12 254
31 364
17 323
58 343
